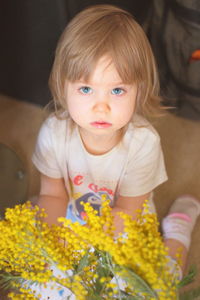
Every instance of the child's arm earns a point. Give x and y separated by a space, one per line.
53 198
127 205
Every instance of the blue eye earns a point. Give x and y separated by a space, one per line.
85 90
117 91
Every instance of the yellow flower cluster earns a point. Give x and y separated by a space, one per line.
28 246
141 249
21 242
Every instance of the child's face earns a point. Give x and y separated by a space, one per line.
103 105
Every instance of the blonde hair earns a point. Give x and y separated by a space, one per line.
106 30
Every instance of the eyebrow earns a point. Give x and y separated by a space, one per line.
112 83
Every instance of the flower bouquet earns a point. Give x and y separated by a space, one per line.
85 262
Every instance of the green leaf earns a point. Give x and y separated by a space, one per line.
94 297
132 279
7 280
83 262
101 272
125 296
189 277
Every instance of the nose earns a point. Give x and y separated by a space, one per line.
101 106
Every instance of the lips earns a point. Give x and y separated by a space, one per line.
101 124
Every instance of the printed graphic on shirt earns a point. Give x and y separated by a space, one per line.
94 193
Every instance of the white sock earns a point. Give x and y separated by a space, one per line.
177 229
181 219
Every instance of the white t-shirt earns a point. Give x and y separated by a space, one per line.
132 168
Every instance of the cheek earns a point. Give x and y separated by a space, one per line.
131 106
72 109
74 112
77 111
125 112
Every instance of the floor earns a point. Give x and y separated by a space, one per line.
19 125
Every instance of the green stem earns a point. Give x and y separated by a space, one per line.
113 272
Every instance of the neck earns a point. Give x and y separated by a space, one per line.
98 145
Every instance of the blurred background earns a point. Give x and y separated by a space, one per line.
29 34
29 31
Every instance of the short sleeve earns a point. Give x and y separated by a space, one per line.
145 166
45 154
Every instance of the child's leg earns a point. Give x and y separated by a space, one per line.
175 247
178 225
